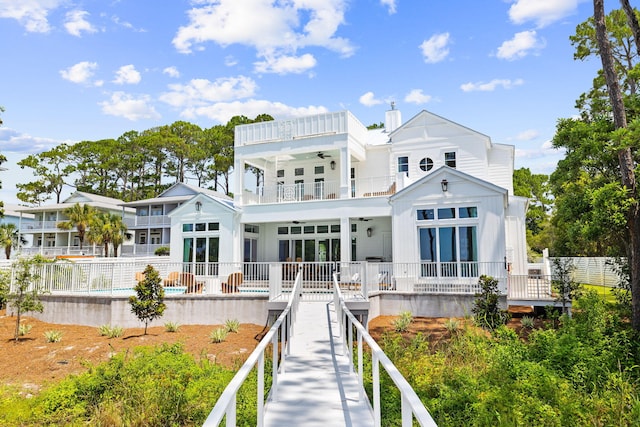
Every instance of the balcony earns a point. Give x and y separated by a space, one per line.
148 221
44 225
314 191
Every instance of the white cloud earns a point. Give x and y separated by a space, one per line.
491 86
17 142
391 5
519 46
80 73
76 23
542 12
133 108
417 97
274 29
436 48
32 14
223 111
527 135
369 100
200 92
230 61
127 74
172 72
286 64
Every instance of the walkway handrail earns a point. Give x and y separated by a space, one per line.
226 404
411 405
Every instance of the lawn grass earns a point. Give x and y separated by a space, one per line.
604 291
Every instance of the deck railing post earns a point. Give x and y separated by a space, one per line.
231 412
376 390
274 373
260 414
407 414
360 366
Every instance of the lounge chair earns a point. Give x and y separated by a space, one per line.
233 283
172 279
193 286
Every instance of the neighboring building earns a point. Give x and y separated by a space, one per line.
20 220
151 225
49 240
428 193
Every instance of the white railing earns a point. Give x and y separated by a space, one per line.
279 336
373 186
411 405
45 225
148 220
531 287
285 193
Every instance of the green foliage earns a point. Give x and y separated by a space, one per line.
171 326
486 308
583 373
149 302
161 386
24 329
162 251
452 325
527 322
53 336
25 294
402 322
232 325
110 331
218 335
562 283
5 279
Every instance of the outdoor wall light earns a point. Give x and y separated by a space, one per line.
445 185
198 206
333 164
369 232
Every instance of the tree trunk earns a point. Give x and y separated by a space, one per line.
625 159
633 22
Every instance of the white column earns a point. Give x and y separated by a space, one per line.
345 240
345 173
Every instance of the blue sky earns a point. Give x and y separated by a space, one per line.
77 70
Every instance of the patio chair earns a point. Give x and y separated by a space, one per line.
193 286
139 276
352 283
233 283
172 279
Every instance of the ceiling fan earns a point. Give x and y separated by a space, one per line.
322 155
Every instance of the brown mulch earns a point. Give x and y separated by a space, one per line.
33 362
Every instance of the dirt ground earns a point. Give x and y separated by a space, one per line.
32 362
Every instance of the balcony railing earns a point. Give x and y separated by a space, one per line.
382 186
44 225
148 221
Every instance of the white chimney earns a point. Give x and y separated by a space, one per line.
392 119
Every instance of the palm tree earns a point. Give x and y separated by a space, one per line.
10 238
80 217
107 229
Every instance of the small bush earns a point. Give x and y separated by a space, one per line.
24 329
486 308
53 336
162 251
171 326
232 325
110 331
452 325
218 335
401 324
527 322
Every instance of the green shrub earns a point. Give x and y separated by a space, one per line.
452 325
401 324
53 336
162 251
218 335
232 325
24 329
110 331
486 309
171 326
527 322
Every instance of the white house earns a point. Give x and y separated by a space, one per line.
430 197
50 240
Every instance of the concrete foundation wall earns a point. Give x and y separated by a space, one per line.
422 305
185 310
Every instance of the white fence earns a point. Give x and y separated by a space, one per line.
279 336
411 405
